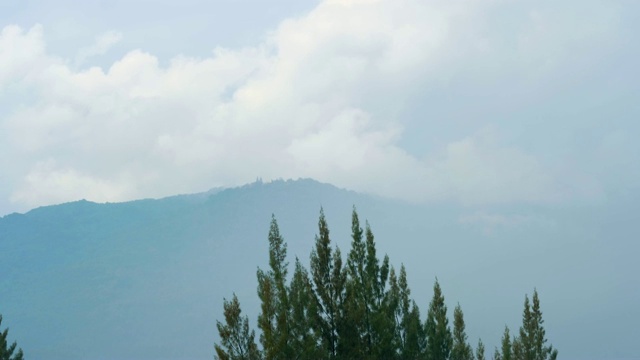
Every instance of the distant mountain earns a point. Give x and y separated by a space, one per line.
146 279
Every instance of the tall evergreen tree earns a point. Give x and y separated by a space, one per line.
506 345
237 342
480 350
369 310
412 337
530 345
6 350
356 342
380 304
517 350
461 350
437 327
305 339
272 290
329 280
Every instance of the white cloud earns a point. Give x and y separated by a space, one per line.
47 184
300 104
101 45
20 53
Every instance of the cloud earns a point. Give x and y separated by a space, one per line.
320 97
102 44
20 52
46 183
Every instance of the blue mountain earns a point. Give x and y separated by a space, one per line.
146 279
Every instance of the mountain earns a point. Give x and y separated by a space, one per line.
146 279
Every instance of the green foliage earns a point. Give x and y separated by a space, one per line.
480 350
329 280
506 345
369 308
237 341
412 336
6 350
530 345
362 310
305 339
439 337
273 293
461 350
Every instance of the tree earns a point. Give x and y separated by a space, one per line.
412 337
480 350
356 342
6 350
460 350
369 309
237 341
380 304
506 345
305 339
272 290
362 310
530 344
437 327
329 280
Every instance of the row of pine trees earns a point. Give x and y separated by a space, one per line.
358 310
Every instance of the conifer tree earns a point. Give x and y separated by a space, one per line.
517 350
384 327
305 339
480 350
237 342
6 350
412 336
506 345
356 326
460 350
272 290
437 327
369 310
530 344
329 280
380 305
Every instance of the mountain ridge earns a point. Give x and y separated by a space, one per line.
150 275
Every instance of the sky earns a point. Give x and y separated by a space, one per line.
465 101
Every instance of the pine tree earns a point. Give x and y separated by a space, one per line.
369 311
460 350
329 280
272 290
237 341
6 350
506 345
305 340
530 345
380 304
412 337
480 350
356 342
517 350
437 327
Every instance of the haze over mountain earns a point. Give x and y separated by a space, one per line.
145 279
490 144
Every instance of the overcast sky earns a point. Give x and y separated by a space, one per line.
473 102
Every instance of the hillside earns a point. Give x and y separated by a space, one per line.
146 279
